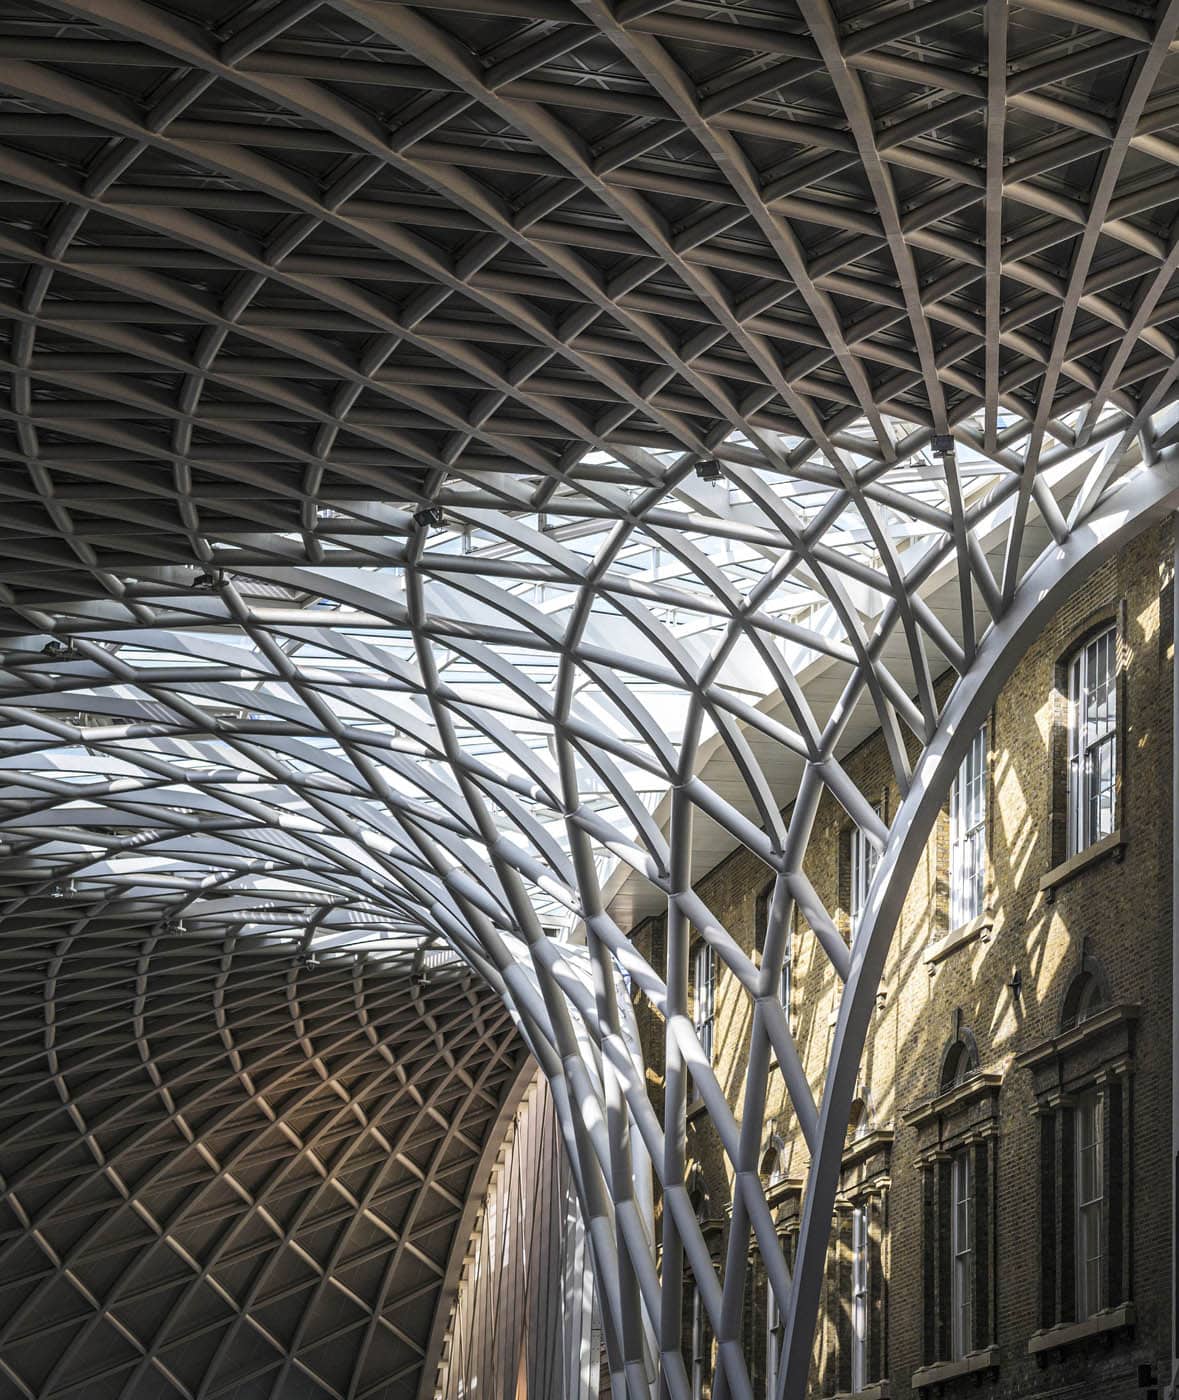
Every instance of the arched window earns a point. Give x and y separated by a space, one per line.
958 1132
1086 1157
1088 994
959 1064
860 1123
773 1160
859 1359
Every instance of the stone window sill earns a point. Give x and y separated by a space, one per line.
878 1390
969 1365
964 934
1112 845
1067 1334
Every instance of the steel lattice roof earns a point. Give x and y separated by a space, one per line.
465 466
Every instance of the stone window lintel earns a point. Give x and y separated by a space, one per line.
878 1140
968 1094
1112 845
1067 1334
1110 1019
941 1371
780 1192
960 937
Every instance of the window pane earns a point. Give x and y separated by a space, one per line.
704 988
864 857
962 1251
1092 765
773 1338
859 1366
1090 1206
968 813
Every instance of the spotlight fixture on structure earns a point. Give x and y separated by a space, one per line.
207 580
708 470
429 517
942 445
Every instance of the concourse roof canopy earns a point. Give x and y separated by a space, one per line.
431 431
466 465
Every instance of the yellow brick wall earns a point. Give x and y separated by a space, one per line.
1116 911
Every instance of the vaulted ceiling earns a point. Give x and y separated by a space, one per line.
436 442
258 257
230 1173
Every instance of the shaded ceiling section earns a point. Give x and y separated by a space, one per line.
229 1173
263 259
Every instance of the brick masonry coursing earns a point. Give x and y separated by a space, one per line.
1114 915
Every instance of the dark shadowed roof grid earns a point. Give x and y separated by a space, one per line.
467 466
226 1173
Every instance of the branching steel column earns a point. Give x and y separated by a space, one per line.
463 472
1046 586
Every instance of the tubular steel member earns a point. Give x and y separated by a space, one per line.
466 470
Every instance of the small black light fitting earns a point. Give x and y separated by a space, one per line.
942 445
1016 985
428 517
708 470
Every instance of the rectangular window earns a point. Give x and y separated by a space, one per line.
1092 741
1090 1206
859 1299
774 1332
784 981
701 1347
968 841
704 988
961 1258
864 856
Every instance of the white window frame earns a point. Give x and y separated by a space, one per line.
699 1360
961 1255
1090 1199
968 834
774 1332
784 982
859 1299
1093 741
863 860
704 996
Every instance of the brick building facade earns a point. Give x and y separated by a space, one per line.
1004 1218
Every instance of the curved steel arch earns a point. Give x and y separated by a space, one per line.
1059 572
466 466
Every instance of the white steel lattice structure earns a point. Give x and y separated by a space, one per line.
467 465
